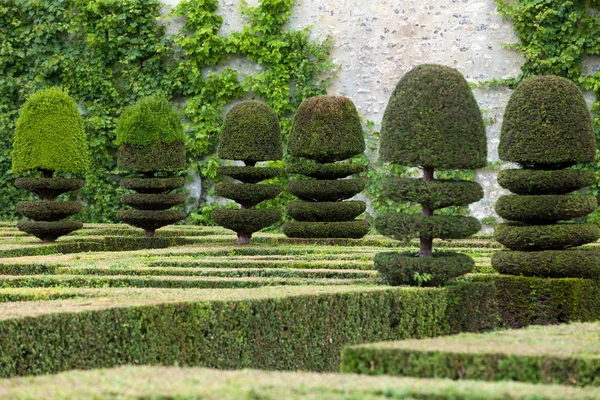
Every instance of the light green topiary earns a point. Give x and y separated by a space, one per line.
49 135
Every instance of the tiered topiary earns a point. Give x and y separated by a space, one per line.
151 140
547 127
250 134
326 129
432 121
49 137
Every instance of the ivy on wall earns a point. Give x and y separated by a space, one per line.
109 53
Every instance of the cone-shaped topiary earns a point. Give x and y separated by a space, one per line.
326 129
250 133
151 139
547 127
49 137
431 121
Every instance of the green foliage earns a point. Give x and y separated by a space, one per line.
246 221
325 171
532 181
339 229
326 190
110 53
248 174
403 227
325 211
549 263
545 237
155 157
49 188
49 135
49 231
406 269
247 194
251 133
48 210
545 208
149 120
432 120
547 122
326 129
152 185
153 201
434 194
150 220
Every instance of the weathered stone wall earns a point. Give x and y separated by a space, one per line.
377 41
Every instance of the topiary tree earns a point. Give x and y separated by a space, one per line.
432 121
49 138
326 129
547 127
250 134
151 141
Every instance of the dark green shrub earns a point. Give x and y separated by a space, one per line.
325 171
248 174
247 194
325 211
532 181
151 139
547 124
48 210
326 190
251 133
544 208
432 121
49 135
547 127
326 129
406 269
340 229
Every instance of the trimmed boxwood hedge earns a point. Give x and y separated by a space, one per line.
48 210
250 133
249 174
341 229
151 201
400 268
432 120
49 188
325 211
545 237
575 263
49 231
246 221
547 123
326 129
545 208
326 190
266 330
433 194
150 220
325 171
533 181
247 194
405 226
155 157
152 185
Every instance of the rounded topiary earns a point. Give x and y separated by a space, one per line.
151 139
251 133
49 137
547 127
326 129
547 124
432 121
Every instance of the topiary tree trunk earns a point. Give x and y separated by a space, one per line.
539 244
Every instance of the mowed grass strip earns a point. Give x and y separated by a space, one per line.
562 354
210 384
180 282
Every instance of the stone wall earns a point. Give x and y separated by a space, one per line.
377 41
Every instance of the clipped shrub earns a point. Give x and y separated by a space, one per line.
547 127
49 137
151 139
326 129
250 134
432 121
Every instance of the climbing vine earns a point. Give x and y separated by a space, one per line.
109 53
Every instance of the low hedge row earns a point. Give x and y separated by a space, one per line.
535 355
263 329
545 208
